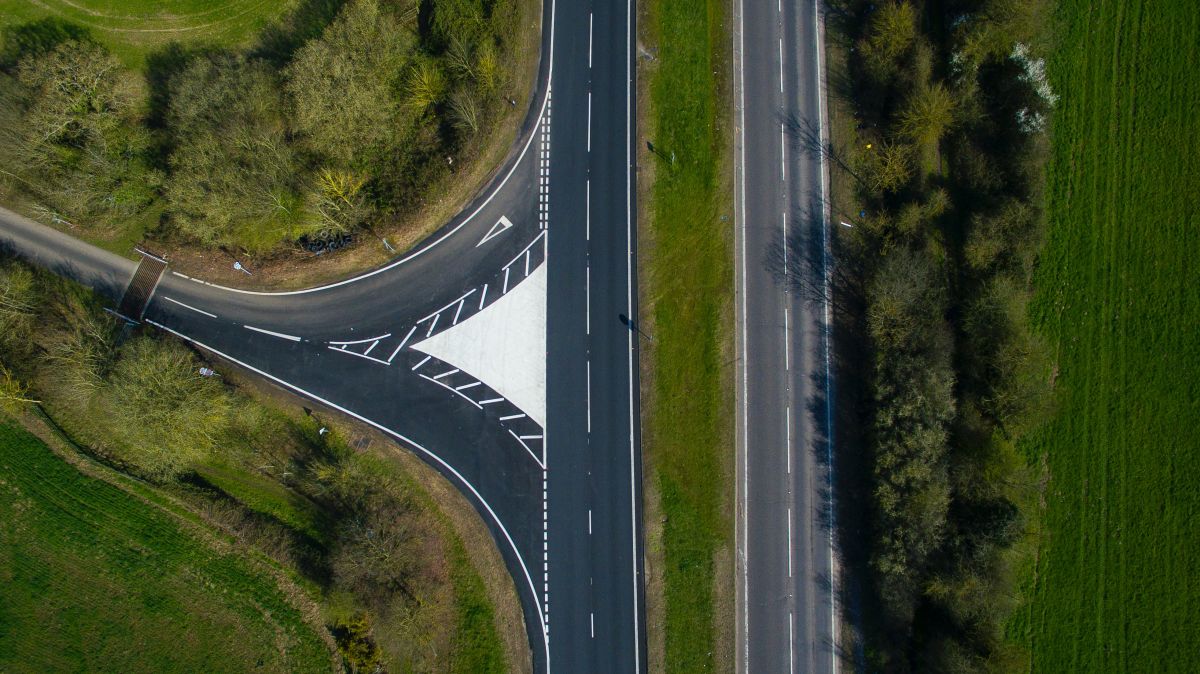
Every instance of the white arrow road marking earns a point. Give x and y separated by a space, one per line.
502 225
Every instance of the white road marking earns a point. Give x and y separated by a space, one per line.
451 389
536 460
782 153
740 168
589 396
423 361
588 303
589 123
531 437
505 288
433 324
589 521
489 401
527 263
592 619
590 18
188 306
789 522
781 65
343 349
467 386
363 341
787 415
483 297
791 643
446 373
371 348
502 225
511 417
452 302
291 338
787 343
402 343
633 491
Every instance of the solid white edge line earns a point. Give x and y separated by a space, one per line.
292 338
629 134
818 46
188 306
381 427
527 449
740 174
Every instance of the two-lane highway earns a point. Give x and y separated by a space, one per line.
493 350
786 563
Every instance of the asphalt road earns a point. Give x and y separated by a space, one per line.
553 472
786 566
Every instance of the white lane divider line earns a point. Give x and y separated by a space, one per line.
589 521
188 306
291 338
423 361
589 396
592 619
789 522
402 343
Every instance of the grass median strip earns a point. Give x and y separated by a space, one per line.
688 291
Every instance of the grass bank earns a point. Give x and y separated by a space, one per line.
96 578
1114 586
687 299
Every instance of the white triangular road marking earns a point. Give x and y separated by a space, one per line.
502 225
504 345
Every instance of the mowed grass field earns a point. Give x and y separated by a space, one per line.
93 578
132 28
1116 586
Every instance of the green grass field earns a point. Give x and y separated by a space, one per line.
132 28
1115 587
690 290
96 579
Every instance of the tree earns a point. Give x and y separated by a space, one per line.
343 85
167 415
79 142
235 177
927 115
890 34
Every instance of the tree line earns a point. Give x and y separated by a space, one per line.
311 133
945 159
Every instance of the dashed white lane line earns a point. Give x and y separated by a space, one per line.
188 306
589 396
787 415
781 65
782 153
787 343
592 618
291 338
589 123
589 521
789 525
590 21
587 210
588 292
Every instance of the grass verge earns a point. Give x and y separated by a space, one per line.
95 578
1114 584
687 295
